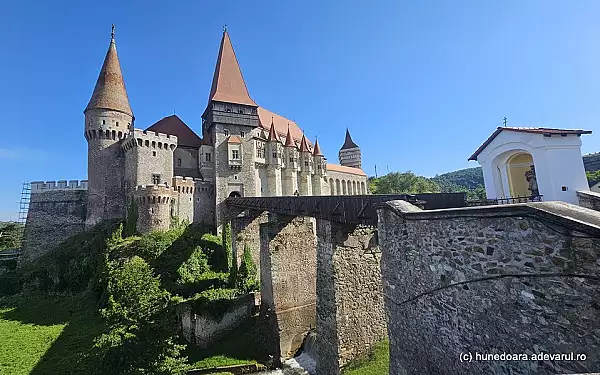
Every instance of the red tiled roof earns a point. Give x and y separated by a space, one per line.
273 134
281 123
173 125
289 140
233 139
303 145
317 149
109 92
228 83
343 169
544 131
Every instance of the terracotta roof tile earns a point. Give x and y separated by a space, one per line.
228 83
234 139
289 140
304 145
273 134
109 92
281 124
317 149
343 169
173 125
548 131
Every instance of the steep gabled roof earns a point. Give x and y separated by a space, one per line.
228 84
281 124
234 139
348 142
173 125
109 92
543 131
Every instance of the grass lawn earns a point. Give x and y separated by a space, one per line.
43 335
376 363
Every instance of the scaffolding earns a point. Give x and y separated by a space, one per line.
24 204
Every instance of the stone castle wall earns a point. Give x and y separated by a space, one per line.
154 207
183 192
431 322
350 307
147 154
55 214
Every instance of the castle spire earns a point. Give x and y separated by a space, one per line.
109 92
289 141
273 134
317 149
304 144
348 142
228 84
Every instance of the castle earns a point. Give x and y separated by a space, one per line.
169 171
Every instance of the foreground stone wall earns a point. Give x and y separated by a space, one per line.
589 199
288 272
467 281
350 306
204 330
53 216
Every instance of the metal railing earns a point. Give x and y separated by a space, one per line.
508 200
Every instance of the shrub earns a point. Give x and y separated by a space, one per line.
246 281
214 302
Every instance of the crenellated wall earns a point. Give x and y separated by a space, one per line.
57 211
514 279
183 193
154 204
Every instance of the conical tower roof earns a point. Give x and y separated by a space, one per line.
304 145
273 136
317 149
228 84
110 92
289 141
349 143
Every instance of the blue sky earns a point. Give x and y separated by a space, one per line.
420 84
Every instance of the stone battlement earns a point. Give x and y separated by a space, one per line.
142 138
183 184
153 194
41 186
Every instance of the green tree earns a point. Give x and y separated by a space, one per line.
10 235
593 176
246 281
403 183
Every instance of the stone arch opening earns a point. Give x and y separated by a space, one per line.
235 194
520 171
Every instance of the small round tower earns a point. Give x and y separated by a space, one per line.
108 120
154 207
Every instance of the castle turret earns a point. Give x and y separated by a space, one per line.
230 122
306 168
275 158
154 204
320 170
350 155
290 173
108 119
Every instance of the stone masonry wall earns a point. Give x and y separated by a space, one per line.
350 307
589 199
518 311
53 216
246 230
288 281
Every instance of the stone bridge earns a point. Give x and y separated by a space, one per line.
319 264
440 282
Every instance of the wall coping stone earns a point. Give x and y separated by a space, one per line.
589 193
568 215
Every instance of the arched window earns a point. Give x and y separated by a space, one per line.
338 188
331 187
107 134
344 191
147 143
153 144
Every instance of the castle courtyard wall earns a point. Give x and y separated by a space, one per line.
491 280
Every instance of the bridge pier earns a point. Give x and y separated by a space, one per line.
350 306
245 230
288 281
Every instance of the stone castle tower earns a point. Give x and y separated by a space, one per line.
108 120
349 154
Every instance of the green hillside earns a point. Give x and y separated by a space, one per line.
461 180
